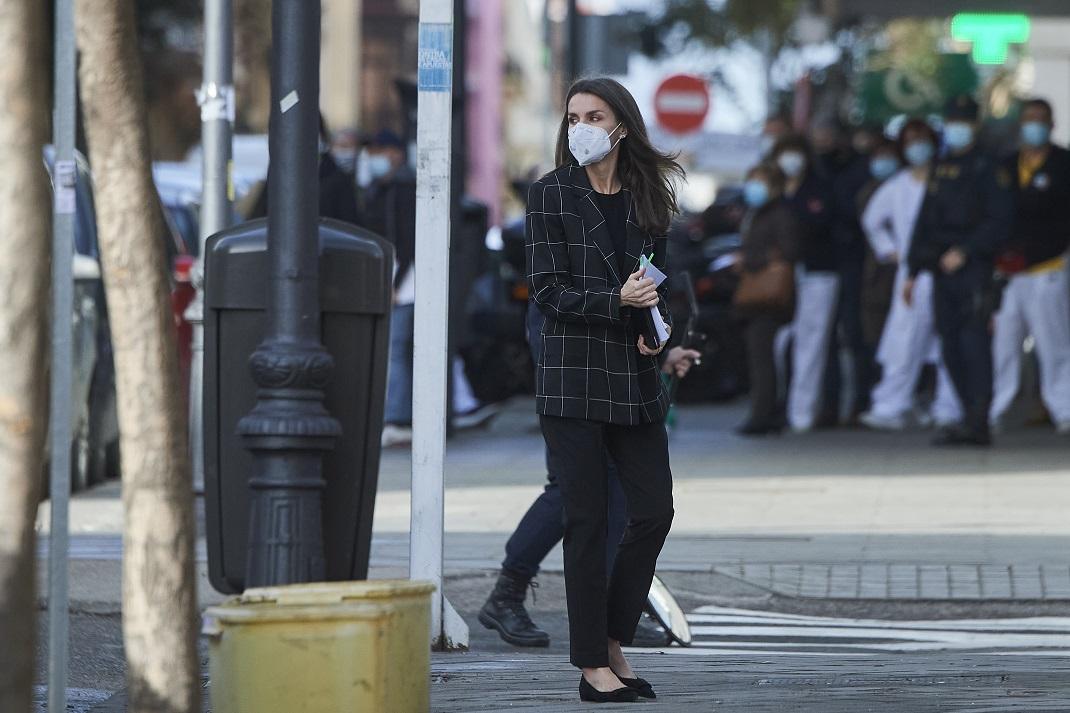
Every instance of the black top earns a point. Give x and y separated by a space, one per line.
968 205
813 206
391 212
614 207
850 239
338 194
1042 208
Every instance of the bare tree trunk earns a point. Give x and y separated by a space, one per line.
25 242
159 588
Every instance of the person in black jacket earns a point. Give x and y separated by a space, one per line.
965 219
810 198
868 168
590 223
390 211
1037 297
338 192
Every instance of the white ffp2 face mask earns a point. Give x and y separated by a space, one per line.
590 144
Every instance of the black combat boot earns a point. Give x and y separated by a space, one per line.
505 612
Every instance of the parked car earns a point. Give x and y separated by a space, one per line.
179 187
95 440
94 422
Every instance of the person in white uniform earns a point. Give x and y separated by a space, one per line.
909 338
817 282
1036 300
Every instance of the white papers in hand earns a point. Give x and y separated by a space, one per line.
658 277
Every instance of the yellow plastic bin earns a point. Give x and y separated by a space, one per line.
328 647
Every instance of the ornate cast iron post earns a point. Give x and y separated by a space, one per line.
289 429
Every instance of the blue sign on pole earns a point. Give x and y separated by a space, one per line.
436 58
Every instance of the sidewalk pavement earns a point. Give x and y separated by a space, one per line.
837 514
831 523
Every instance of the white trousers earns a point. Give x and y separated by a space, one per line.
1038 305
815 312
908 341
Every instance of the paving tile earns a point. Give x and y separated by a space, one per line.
1055 581
899 581
964 582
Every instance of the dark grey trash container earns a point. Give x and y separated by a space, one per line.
356 291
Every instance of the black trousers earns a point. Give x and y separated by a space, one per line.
543 525
849 317
760 334
962 310
576 452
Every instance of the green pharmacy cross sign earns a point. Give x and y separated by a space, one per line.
990 34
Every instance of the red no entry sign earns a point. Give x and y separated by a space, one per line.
681 103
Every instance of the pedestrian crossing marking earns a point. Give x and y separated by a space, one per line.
724 631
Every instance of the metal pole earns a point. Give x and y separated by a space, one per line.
65 175
216 97
430 348
575 45
289 429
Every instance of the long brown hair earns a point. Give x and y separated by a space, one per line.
648 173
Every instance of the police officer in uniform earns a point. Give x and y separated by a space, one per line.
1037 298
965 219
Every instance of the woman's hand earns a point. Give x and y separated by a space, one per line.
647 351
639 291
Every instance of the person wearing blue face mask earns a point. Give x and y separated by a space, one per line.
810 197
965 219
338 193
770 233
883 164
1036 300
907 338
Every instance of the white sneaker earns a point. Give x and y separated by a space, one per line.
882 423
923 418
394 435
480 415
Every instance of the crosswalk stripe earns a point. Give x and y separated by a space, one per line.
726 631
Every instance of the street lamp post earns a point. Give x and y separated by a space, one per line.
216 98
289 429
65 174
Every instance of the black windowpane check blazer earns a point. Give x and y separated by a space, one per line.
590 366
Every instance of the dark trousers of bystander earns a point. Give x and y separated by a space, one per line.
543 526
601 607
863 359
962 313
760 334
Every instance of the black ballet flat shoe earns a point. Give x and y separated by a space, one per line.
640 685
590 694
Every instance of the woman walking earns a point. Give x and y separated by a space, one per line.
598 383
767 258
